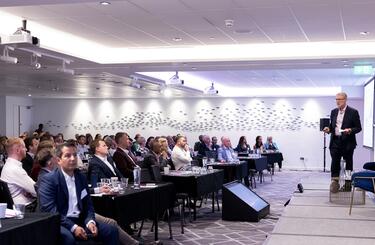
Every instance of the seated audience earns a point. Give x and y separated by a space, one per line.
122 157
98 137
258 143
204 146
198 143
36 167
31 145
20 185
82 148
270 145
89 139
48 162
111 144
154 158
73 203
242 146
148 142
226 153
101 164
136 145
39 130
58 139
215 146
181 157
171 142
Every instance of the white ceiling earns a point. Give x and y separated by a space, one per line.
146 23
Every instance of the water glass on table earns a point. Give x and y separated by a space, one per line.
212 160
20 210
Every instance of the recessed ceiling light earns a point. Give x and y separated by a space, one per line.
105 3
193 68
243 31
344 61
346 65
29 95
177 39
364 33
212 38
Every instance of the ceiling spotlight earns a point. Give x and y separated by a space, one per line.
175 80
135 84
29 95
6 58
229 23
211 90
64 69
177 39
34 61
364 33
105 3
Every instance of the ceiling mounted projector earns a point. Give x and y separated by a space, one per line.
211 90
21 36
175 80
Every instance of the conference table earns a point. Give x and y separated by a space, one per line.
34 228
233 171
196 185
136 204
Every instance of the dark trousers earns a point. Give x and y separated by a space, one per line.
339 150
107 234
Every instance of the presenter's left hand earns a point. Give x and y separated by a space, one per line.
94 230
347 131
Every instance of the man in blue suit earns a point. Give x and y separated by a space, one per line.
65 191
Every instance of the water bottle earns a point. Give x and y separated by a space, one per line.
137 177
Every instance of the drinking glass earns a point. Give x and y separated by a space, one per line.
212 160
20 210
125 182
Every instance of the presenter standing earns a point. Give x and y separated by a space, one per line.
344 124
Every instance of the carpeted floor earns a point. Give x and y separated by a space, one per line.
210 229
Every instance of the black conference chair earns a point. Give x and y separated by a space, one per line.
5 196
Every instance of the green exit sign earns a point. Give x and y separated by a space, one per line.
363 70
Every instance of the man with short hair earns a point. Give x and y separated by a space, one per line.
101 165
82 148
215 146
181 154
47 160
31 144
225 152
122 156
20 185
65 191
344 125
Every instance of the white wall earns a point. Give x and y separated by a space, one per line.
13 119
293 122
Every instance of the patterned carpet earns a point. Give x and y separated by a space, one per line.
210 229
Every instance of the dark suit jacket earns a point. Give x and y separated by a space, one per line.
124 163
54 197
202 148
351 120
27 164
101 170
41 175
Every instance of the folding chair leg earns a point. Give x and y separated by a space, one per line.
217 201
351 201
182 219
140 228
169 224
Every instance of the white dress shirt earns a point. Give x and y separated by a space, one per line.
81 150
105 160
339 120
20 185
180 157
73 210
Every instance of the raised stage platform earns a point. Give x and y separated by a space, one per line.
311 219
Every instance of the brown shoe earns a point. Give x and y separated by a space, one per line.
334 187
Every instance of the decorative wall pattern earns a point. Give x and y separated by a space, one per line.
260 116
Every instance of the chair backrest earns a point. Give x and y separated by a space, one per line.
156 173
369 166
145 175
5 196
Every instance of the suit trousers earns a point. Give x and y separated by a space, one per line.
125 238
107 234
339 150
